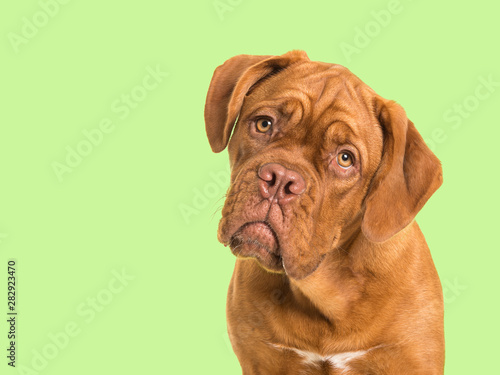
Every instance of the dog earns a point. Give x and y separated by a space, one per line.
332 275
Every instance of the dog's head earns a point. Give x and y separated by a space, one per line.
316 156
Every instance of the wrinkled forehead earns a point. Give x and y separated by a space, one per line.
316 92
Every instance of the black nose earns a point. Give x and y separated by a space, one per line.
280 183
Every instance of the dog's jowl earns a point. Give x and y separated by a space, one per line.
333 275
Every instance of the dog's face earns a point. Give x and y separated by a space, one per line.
303 152
316 156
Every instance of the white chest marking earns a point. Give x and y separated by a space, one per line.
339 361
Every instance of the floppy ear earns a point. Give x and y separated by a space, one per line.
230 82
408 175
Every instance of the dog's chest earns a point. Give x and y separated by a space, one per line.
337 363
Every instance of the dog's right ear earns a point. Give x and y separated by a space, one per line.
230 82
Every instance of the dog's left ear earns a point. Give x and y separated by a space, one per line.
409 173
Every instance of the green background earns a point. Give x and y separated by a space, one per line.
145 200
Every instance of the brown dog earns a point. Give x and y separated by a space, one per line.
333 276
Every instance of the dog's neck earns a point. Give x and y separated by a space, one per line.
341 286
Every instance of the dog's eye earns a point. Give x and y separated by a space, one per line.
345 160
263 125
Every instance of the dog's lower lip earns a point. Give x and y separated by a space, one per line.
258 232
